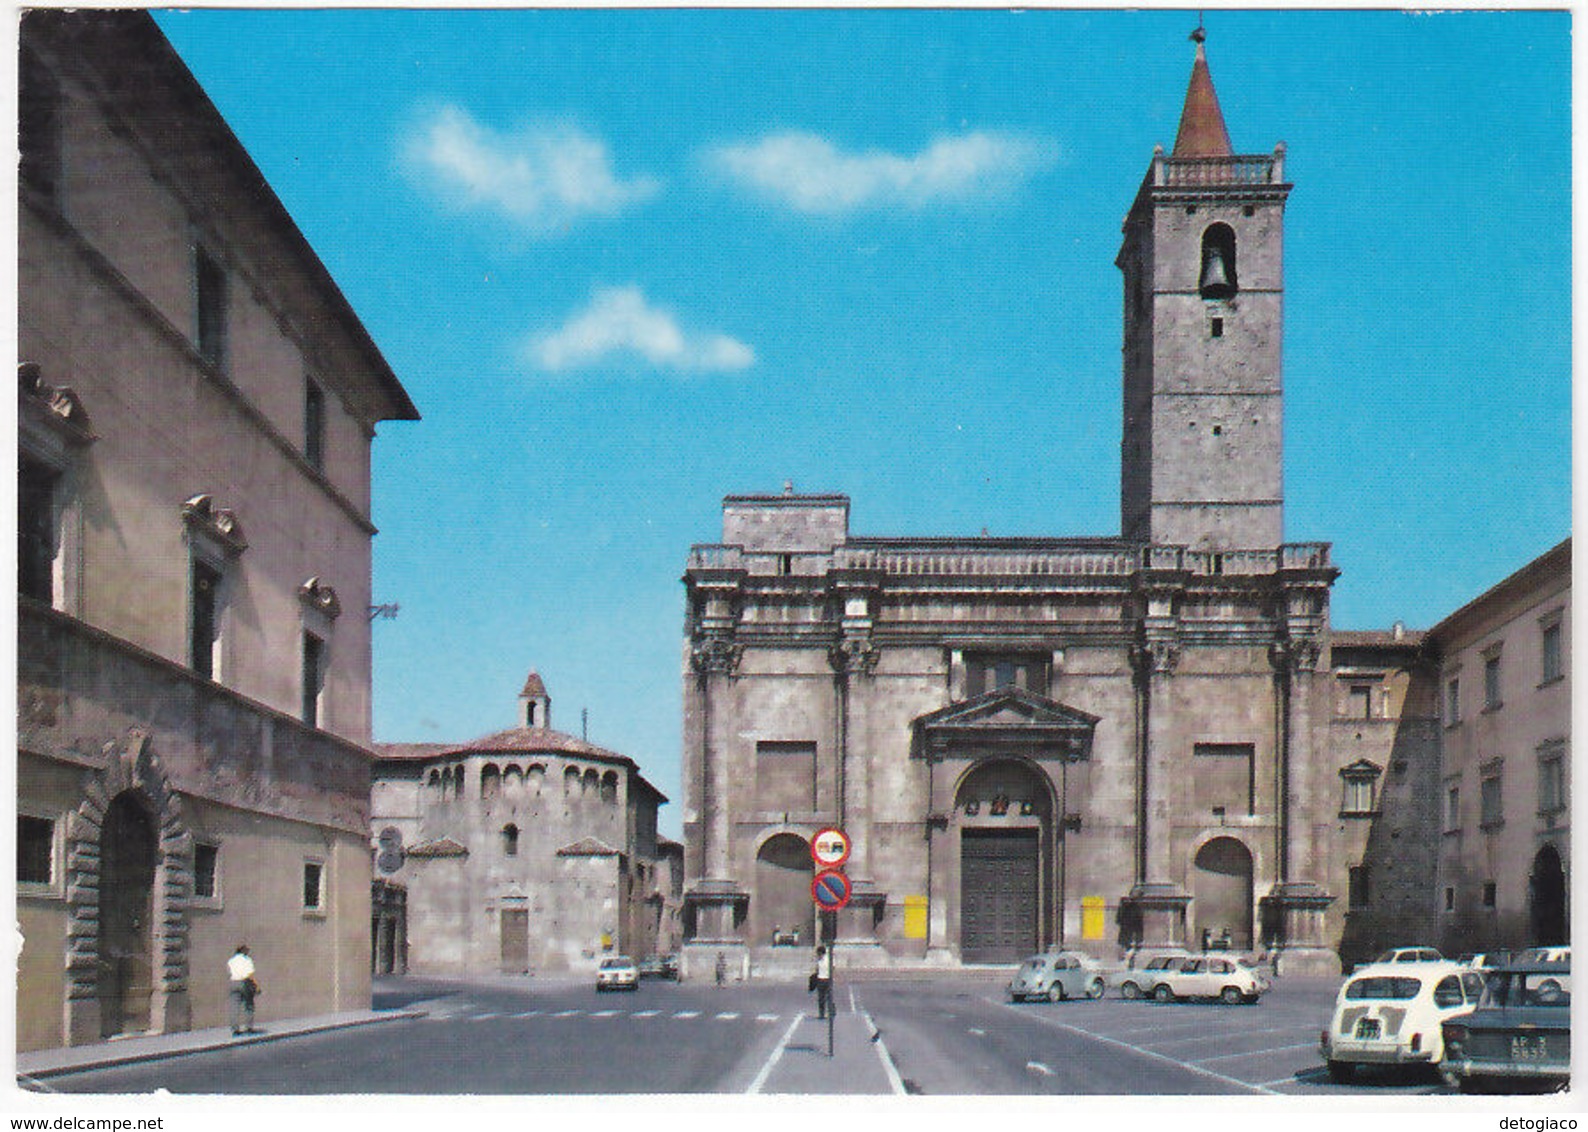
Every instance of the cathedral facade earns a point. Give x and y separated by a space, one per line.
1108 743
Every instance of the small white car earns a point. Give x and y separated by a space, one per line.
1057 976
1139 982
617 972
1208 976
1410 955
1390 1014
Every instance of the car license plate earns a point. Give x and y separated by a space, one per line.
1367 1028
1524 1048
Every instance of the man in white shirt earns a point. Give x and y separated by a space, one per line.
240 967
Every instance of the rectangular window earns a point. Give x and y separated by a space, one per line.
1551 651
35 850
313 886
1450 899
205 858
1453 702
313 678
1361 702
1490 801
1453 809
987 672
1552 778
36 540
1488 894
1358 796
1359 886
314 426
204 619
1491 682
209 288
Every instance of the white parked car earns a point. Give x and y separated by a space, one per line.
1410 955
1139 982
1390 1014
617 972
1207 976
1057 976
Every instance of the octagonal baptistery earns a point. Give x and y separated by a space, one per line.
525 850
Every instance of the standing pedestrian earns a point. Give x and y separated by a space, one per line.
822 979
243 988
722 968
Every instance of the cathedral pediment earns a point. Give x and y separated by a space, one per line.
1006 719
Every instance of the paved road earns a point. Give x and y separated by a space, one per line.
948 1034
949 1037
662 1038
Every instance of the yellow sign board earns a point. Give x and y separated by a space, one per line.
1094 921
915 917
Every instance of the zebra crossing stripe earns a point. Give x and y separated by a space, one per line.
603 1013
646 1013
566 1013
766 1017
727 1017
527 1014
484 1017
687 1014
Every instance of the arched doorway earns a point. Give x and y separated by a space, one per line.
1221 894
128 848
1004 810
782 898
1546 899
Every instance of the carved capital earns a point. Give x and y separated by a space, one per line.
1155 656
716 654
58 405
1295 655
854 654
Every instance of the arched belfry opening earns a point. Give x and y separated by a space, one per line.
1218 278
129 851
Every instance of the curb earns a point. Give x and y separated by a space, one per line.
131 1056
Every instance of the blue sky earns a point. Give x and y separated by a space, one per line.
628 262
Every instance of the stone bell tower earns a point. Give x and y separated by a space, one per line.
1204 303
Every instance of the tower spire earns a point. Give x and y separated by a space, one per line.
1202 130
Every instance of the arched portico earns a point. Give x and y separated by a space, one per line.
1222 894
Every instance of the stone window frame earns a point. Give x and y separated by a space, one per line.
1450 806
54 432
215 901
1490 897
1552 622
55 887
1491 815
1353 779
319 909
510 839
1552 753
1450 701
1493 677
212 285
215 541
1450 899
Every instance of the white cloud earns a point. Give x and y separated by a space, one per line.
810 174
544 177
620 322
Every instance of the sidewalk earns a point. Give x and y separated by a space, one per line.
860 1063
45 1063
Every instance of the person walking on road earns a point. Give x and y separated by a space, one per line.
240 968
822 981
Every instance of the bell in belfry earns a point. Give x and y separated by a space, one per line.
1216 282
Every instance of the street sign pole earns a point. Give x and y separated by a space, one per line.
831 891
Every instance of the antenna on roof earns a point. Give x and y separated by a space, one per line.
584 724
1201 33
